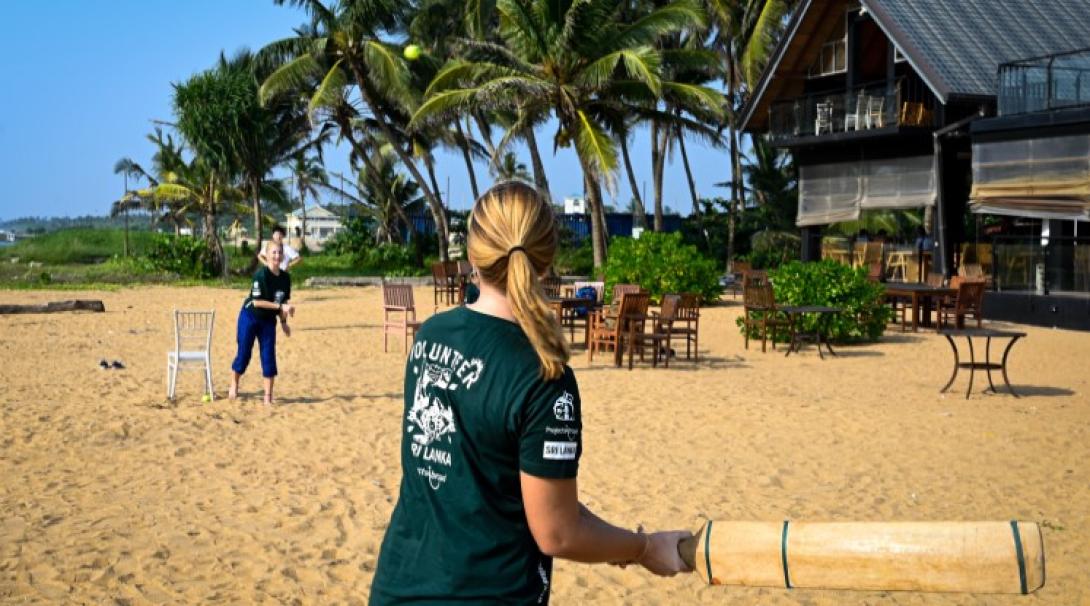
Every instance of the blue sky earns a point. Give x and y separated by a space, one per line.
86 80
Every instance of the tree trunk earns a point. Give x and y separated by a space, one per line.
639 212
219 260
126 231
303 209
463 143
660 139
732 123
255 195
486 134
688 174
594 201
540 180
440 214
382 120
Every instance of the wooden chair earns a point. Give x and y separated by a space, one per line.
759 308
969 300
662 332
551 286
612 331
610 311
192 347
398 299
687 323
444 278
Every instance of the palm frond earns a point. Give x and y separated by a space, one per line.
595 146
293 76
387 70
444 104
762 39
698 100
330 92
674 17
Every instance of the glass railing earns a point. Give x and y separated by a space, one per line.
860 109
1030 264
1051 82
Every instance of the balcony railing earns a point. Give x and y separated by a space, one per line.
1042 83
860 109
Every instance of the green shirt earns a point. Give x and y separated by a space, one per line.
267 286
477 412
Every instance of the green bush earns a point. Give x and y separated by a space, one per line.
390 260
184 255
574 259
660 263
78 245
836 285
770 249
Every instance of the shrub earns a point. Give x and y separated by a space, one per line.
575 259
184 255
390 260
836 285
770 249
660 263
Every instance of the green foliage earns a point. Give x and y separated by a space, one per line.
574 259
77 245
661 263
833 284
771 249
354 239
183 255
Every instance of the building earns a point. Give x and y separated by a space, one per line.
876 99
575 205
321 225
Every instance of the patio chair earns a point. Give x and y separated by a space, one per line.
875 115
662 332
823 120
192 347
610 311
855 119
398 313
444 278
759 309
969 301
611 332
551 286
687 323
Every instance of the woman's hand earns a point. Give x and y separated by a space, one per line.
661 556
288 310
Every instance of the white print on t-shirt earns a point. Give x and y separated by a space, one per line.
564 407
438 369
256 290
559 451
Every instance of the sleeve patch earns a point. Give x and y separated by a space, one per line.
559 451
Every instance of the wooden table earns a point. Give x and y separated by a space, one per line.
560 304
919 294
973 365
819 336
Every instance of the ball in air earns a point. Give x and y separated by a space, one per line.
412 52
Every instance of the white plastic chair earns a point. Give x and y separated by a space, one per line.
192 347
854 120
824 118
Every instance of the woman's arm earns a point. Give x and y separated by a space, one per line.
563 527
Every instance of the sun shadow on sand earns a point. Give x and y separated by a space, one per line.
1038 390
846 352
338 327
318 400
901 338
705 363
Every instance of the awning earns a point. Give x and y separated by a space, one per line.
831 193
1043 177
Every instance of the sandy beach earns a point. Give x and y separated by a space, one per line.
112 494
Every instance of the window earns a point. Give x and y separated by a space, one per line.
833 59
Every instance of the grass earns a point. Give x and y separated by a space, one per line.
77 246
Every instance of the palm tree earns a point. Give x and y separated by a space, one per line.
383 195
746 34
166 160
307 173
510 168
347 42
574 60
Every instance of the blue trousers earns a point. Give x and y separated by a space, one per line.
251 327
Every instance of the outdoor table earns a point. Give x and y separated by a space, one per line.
560 304
919 293
973 365
818 336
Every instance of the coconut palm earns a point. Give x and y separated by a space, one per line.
510 168
347 44
385 196
576 61
166 160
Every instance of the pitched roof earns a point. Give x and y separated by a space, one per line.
957 46
315 212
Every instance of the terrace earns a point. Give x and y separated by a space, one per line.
1054 81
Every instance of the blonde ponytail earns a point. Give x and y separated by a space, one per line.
512 241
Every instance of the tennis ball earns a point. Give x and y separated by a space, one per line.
206 398
412 52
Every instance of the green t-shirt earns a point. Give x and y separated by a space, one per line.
477 412
268 286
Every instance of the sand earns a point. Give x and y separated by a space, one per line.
112 494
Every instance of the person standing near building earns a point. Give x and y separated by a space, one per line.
291 256
493 436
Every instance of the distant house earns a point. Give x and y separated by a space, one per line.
321 225
575 205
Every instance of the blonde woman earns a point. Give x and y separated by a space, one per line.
493 436
270 291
